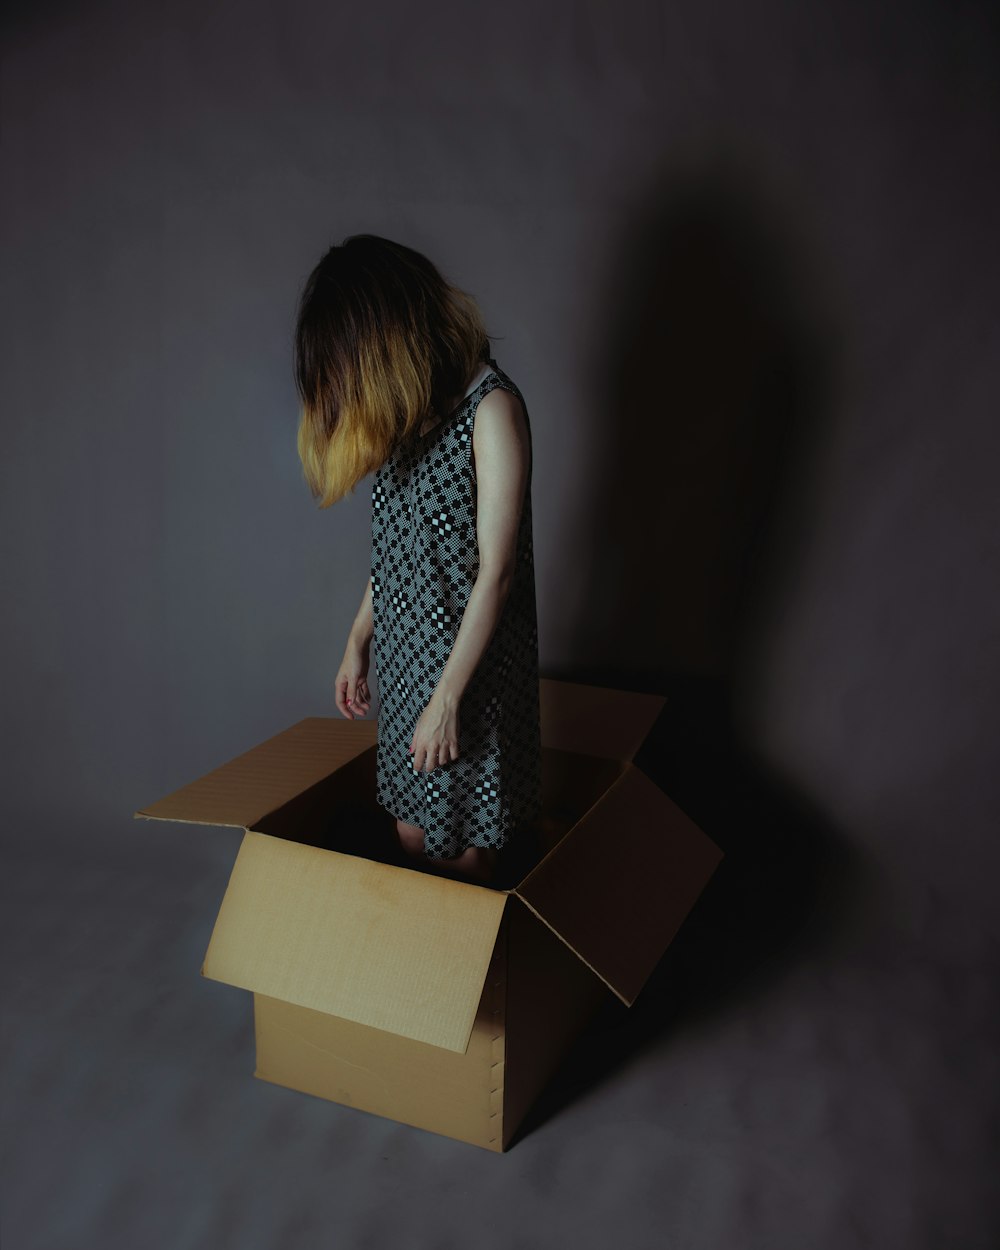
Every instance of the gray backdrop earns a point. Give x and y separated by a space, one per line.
742 260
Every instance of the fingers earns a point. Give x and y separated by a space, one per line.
359 698
427 758
340 697
353 697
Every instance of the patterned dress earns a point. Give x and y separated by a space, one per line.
424 561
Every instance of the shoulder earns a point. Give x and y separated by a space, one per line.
500 416
501 441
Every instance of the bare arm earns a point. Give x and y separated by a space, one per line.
501 450
351 692
364 623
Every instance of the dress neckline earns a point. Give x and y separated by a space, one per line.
420 438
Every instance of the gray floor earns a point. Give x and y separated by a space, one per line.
805 1068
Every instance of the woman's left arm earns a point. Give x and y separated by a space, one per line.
500 445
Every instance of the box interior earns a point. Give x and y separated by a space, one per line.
340 812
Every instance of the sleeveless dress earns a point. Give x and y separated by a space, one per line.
424 561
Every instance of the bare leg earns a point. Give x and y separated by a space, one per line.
411 839
475 862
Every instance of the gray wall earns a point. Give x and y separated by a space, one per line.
172 177
742 261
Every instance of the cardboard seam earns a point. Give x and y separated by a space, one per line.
569 945
181 820
498 985
600 799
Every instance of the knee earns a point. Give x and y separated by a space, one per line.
411 837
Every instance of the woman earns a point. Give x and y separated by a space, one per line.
395 376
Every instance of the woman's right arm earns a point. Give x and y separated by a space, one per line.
364 622
352 694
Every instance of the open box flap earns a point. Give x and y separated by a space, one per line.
388 947
595 720
618 887
243 791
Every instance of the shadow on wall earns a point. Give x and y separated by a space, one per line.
715 395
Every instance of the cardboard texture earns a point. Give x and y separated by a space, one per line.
422 997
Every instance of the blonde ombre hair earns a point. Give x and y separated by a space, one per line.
382 342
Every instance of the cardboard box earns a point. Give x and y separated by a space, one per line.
425 998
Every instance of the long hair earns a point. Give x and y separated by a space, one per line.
382 341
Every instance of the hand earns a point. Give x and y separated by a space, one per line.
351 686
435 738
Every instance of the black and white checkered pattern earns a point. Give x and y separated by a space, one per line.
425 558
